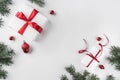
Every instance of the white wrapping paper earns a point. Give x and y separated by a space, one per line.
86 60
30 33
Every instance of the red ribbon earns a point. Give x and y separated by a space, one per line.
95 57
106 42
28 21
99 52
84 50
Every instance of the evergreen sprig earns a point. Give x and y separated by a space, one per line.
3 74
6 55
114 57
4 10
93 77
110 77
38 2
77 75
64 77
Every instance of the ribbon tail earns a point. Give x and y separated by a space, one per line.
84 50
36 26
89 63
23 28
107 39
32 15
21 16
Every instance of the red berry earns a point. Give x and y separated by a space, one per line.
11 38
25 47
101 66
98 38
52 12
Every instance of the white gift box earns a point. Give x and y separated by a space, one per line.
88 61
30 33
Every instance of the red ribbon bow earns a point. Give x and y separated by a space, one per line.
28 21
99 51
95 57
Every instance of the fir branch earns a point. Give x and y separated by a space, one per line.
110 77
6 52
38 2
77 75
70 69
6 61
114 58
64 77
86 73
4 10
7 2
3 74
6 55
93 77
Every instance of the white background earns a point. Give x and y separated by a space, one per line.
59 45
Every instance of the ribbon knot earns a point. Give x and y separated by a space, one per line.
28 21
93 57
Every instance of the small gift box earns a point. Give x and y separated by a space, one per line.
29 23
92 58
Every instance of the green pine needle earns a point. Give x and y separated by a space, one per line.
6 52
114 58
77 75
6 61
4 10
93 77
3 74
38 2
70 69
64 77
86 73
6 55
